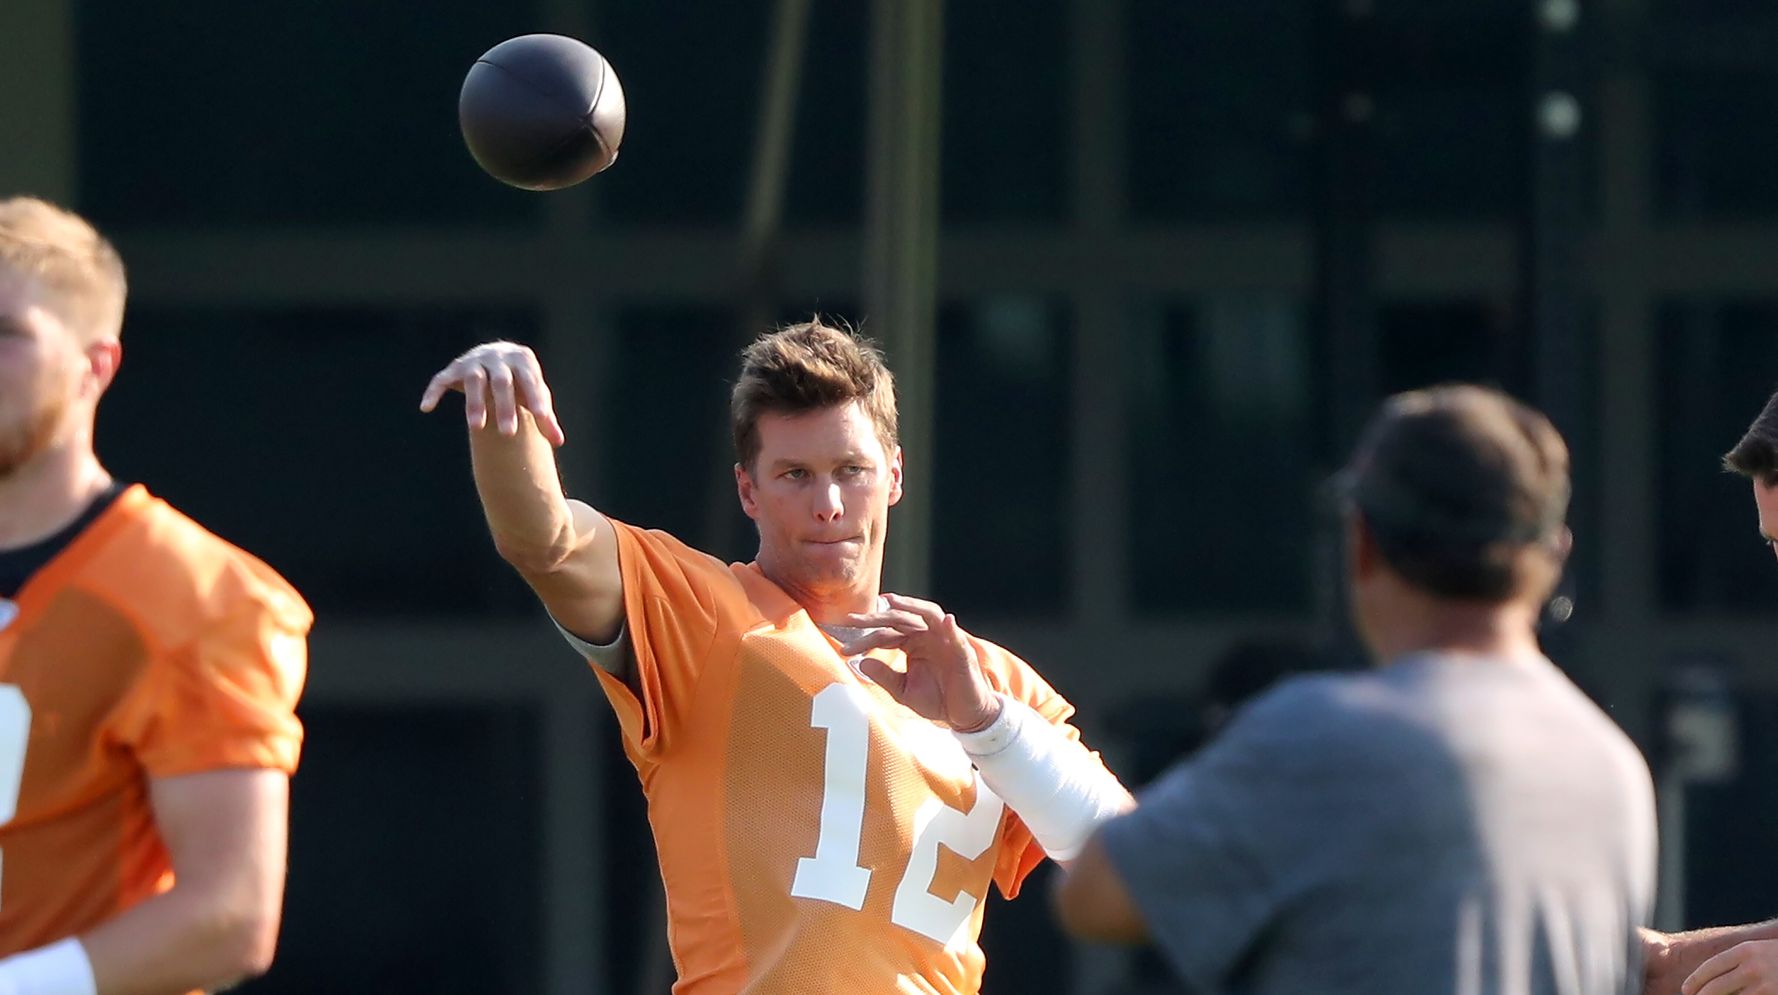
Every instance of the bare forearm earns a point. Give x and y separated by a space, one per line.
177 942
521 493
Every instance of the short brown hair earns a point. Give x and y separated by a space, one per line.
1454 483
807 367
1756 455
76 266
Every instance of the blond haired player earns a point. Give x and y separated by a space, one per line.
148 672
826 821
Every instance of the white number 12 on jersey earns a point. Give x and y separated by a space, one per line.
15 732
833 873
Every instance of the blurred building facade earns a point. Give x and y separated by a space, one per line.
1183 249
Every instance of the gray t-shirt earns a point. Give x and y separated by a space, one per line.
1450 825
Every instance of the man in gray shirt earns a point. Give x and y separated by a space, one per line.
1459 820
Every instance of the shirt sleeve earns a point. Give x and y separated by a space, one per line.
226 696
1215 845
677 602
1020 853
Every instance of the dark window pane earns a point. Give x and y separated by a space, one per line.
1220 105
691 74
453 796
1731 871
999 485
208 111
1421 343
827 166
1451 111
1715 149
296 435
669 462
1007 130
1719 364
1222 472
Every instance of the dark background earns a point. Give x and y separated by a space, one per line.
1184 249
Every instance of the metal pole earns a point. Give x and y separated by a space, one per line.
901 251
1345 260
1551 230
762 220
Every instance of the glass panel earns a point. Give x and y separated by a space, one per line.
1220 102
209 112
671 458
295 434
1000 527
827 167
1451 108
1007 130
1223 469
451 789
694 112
1715 149
1716 360
691 74
1426 342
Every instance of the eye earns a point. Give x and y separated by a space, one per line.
851 470
794 473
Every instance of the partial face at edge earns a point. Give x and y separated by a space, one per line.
1765 498
41 372
820 492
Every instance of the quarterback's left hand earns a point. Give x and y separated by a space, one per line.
1749 968
943 680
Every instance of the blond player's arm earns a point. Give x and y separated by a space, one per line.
225 832
565 550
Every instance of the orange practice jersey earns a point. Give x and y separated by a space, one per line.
146 648
814 835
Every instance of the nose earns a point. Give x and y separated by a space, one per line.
828 504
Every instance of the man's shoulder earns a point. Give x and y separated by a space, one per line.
1345 719
181 572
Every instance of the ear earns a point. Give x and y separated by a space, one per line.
102 361
1362 557
1563 544
744 490
895 471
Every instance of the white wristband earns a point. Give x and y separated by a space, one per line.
62 968
1059 788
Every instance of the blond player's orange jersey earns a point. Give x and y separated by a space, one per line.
814 835
146 648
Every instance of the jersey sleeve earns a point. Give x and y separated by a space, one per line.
677 601
1020 852
225 694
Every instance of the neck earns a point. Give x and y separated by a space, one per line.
826 606
48 492
1501 631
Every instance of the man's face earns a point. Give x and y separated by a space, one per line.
1765 497
41 367
820 492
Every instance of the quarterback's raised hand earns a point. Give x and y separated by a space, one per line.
503 376
943 680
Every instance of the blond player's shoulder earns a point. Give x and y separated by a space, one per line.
182 572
